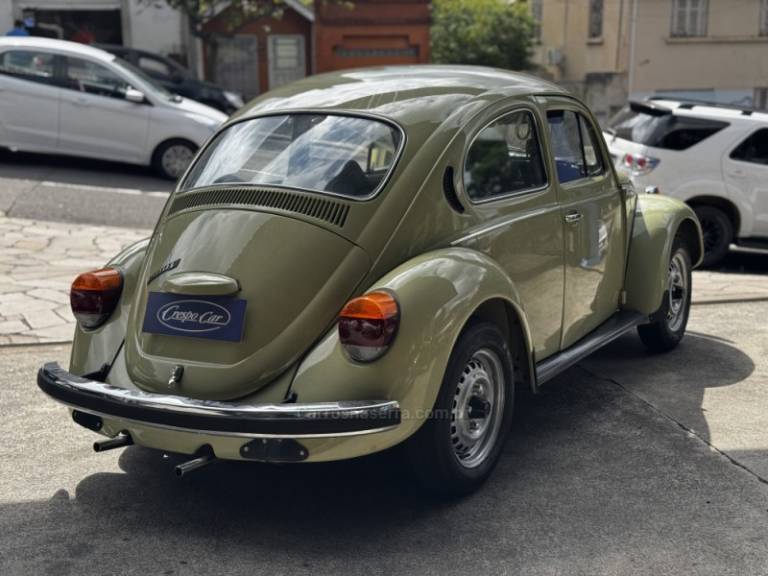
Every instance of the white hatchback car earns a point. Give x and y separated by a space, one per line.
65 98
715 158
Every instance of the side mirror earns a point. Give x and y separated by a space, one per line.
135 96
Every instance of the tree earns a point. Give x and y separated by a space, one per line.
486 32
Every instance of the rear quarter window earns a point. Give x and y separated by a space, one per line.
666 131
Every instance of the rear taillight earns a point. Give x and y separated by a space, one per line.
94 296
639 164
367 325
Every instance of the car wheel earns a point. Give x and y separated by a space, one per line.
458 446
172 158
717 230
668 324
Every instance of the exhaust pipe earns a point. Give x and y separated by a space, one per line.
117 442
187 467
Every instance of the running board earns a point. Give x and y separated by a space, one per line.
608 331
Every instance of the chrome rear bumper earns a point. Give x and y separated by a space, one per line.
309 420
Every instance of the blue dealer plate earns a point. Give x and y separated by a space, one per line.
211 317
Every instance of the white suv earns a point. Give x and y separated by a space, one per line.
713 157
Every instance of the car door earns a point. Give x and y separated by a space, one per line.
745 169
29 99
509 191
96 119
591 213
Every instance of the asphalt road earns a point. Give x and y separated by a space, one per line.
627 464
79 190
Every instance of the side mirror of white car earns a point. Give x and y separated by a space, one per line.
133 95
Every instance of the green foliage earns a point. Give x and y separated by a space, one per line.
485 32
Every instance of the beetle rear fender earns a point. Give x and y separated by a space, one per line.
91 349
438 293
658 221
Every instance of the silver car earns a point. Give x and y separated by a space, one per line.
61 97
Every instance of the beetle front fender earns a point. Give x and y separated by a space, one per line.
91 349
437 293
658 220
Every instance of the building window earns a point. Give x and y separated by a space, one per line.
537 11
763 17
595 19
689 17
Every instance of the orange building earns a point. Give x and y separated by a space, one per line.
371 33
264 53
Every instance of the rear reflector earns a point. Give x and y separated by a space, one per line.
368 324
94 296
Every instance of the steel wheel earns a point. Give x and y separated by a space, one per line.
175 159
477 408
677 291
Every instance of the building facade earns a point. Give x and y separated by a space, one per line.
148 25
609 50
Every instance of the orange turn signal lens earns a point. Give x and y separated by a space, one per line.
99 280
368 324
373 306
94 296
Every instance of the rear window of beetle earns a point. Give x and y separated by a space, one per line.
345 155
660 130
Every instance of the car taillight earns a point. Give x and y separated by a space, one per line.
639 164
367 325
94 296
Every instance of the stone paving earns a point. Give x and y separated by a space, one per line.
39 260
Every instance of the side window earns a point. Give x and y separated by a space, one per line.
28 65
93 78
754 149
575 146
504 158
155 68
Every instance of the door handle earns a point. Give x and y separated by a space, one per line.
736 174
572 217
79 102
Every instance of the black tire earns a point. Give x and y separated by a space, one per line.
717 229
433 452
173 170
668 323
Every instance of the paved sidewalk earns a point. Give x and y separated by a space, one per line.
39 260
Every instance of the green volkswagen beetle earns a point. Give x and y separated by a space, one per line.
375 258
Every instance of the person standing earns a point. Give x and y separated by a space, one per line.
18 29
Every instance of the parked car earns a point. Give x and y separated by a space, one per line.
714 158
375 257
177 79
61 97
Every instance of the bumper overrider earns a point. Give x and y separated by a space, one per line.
296 420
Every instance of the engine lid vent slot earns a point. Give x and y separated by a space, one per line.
331 211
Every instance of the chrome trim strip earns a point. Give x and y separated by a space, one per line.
306 420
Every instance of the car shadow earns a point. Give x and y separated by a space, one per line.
77 171
589 468
739 261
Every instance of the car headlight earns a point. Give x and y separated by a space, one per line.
233 98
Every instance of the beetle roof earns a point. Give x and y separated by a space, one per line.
428 92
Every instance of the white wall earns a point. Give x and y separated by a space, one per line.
6 16
158 29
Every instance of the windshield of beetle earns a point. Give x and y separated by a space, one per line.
345 155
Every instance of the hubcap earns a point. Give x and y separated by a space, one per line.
478 406
677 290
176 158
